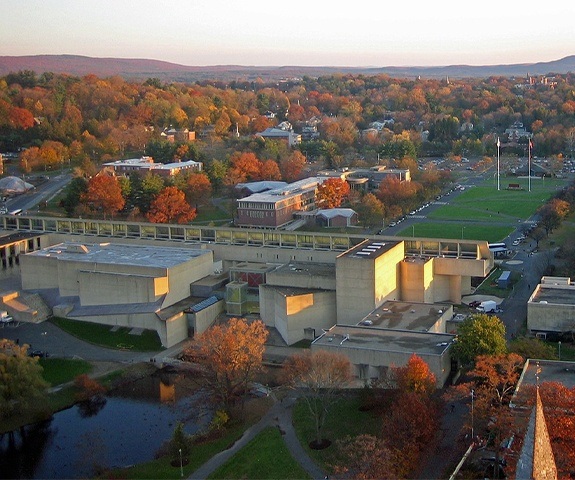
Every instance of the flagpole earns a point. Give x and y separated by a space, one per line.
498 145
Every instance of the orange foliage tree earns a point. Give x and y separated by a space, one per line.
244 167
318 377
269 170
366 457
104 194
331 193
292 167
229 356
415 377
170 206
198 189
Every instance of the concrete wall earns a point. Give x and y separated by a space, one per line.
549 317
181 276
295 313
368 364
96 288
365 283
38 272
417 280
169 335
204 319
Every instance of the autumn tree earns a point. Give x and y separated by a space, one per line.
292 167
244 167
370 211
409 425
415 377
21 382
331 193
392 191
553 213
479 334
269 170
318 377
229 356
491 383
170 206
198 189
366 457
104 194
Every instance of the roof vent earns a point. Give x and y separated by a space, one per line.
77 249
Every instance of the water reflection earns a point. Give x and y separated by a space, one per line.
125 428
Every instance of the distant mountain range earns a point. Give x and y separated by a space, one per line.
142 69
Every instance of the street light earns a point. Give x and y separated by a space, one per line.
413 230
498 146
472 397
462 230
181 464
559 346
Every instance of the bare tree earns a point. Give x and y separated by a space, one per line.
318 377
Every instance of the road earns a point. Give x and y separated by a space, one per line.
43 192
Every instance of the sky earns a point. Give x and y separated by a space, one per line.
374 33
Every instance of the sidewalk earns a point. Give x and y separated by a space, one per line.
280 416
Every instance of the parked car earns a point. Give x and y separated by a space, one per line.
474 304
38 353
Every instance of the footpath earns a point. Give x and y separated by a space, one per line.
280 416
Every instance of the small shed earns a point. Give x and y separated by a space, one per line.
504 279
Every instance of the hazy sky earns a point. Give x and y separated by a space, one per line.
293 32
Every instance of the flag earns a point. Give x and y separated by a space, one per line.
530 145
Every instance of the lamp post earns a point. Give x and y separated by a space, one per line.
462 230
559 346
413 230
472 431
498 145
181 464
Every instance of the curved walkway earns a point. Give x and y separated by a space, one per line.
280 416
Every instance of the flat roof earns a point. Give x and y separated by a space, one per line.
564 295
371 248
412 316
307 269
549 371
285 192
389 340
116 253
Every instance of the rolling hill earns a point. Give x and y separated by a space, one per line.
143 68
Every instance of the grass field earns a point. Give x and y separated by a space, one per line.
266 456
344 419
463 230
63 370
147 341
466 215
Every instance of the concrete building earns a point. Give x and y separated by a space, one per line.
144 165
133 286
373 351
277 207
300 283
551 307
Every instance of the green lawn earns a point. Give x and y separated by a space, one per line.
466 230
161 468
344 419
266 456
63 370
485 202
147 341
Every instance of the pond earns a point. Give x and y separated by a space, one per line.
127 427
